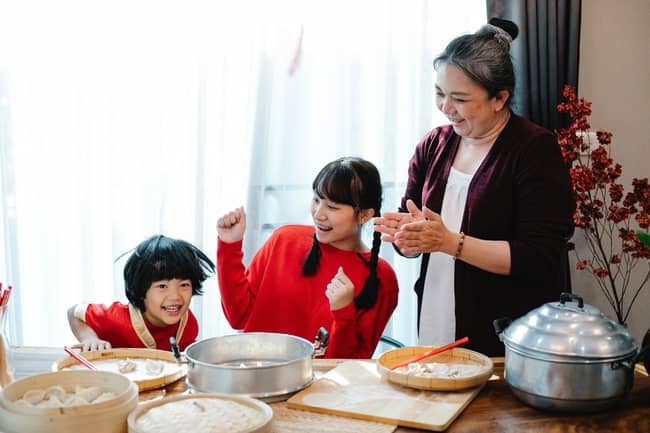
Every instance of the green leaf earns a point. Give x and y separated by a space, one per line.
643 237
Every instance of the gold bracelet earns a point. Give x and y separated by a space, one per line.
461 240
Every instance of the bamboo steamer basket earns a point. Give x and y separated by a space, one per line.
458 355
186 422
105 417
106 360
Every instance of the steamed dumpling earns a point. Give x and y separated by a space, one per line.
56 396
75 400
104 397
53 401
88 394
153 367
126 366
55 391
34 396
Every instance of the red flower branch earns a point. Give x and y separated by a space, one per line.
605 213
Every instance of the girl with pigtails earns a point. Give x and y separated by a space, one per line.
309 276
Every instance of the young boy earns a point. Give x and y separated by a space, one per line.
160 278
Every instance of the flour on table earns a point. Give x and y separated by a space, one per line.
200 415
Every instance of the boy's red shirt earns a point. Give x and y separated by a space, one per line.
113 324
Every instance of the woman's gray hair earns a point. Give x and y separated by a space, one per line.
484 56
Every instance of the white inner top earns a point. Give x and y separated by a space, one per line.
438 317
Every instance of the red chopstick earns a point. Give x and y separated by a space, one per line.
80 358
4 296
432 352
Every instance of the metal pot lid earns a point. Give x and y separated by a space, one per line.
570 328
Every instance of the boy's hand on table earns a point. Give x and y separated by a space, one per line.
92 344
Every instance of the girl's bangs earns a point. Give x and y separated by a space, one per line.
339 184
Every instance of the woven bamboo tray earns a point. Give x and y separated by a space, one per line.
107 360
455 356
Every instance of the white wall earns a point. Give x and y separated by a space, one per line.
615 77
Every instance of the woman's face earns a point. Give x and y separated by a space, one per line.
337 224
465 103
166 301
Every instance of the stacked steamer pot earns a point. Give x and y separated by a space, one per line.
567 356
105 417
267 366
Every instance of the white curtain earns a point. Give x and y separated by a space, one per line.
119 120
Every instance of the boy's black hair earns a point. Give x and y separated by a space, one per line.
162 258
355 182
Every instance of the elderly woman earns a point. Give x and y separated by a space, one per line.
488 201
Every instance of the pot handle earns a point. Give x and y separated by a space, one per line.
500 325
632 362
320 341
568 297
639 356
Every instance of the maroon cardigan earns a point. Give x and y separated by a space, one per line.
521 193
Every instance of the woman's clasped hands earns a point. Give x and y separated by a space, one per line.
416 231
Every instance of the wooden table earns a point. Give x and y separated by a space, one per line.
496 409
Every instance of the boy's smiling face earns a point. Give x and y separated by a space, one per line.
166 301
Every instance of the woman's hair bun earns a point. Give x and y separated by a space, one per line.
506 25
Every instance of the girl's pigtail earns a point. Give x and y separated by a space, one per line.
368 295
310 264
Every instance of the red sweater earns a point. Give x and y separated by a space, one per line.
272 295
113 324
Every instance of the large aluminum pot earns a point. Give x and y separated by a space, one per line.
267 366
567 356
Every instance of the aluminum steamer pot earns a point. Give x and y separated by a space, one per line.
568 357
267 366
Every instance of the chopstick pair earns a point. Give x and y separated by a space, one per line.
431 352
82 359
